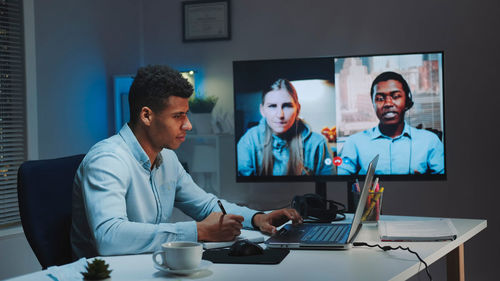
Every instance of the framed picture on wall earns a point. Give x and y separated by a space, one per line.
206 20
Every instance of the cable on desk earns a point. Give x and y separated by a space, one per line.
386 248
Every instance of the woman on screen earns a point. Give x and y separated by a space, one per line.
282 144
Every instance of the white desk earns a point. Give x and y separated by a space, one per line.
358 263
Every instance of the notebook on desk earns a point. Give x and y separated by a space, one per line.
438 229
324 235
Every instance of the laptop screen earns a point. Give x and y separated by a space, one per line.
362 199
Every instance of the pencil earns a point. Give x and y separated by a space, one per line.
221 207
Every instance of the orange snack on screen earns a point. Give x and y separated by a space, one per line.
330 134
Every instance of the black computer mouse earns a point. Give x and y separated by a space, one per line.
245 248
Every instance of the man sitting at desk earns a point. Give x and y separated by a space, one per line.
127 185
403 149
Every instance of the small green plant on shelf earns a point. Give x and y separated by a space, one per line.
98 269
203 104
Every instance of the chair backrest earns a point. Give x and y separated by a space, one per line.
45 193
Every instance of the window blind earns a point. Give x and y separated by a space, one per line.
12 107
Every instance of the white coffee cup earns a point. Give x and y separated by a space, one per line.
179 255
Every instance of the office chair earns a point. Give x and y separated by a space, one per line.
44 190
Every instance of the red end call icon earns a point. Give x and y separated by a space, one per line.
337 161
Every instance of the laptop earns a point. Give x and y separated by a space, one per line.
325 235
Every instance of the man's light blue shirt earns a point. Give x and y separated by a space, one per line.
414 150
122 206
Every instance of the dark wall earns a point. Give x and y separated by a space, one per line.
79 46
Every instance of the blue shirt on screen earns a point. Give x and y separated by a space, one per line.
122 206
251 145
414 150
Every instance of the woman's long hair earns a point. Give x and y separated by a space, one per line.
293 137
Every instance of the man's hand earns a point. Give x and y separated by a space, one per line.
219 227
268 222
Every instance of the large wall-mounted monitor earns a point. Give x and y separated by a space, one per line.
324 119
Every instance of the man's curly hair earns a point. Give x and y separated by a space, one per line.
152 86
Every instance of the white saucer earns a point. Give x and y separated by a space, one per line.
203 265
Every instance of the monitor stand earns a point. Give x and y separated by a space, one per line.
320 189
350 197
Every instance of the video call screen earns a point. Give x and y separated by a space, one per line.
331 116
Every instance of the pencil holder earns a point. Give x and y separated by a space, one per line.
371 213
373 206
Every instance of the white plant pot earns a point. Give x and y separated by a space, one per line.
202 123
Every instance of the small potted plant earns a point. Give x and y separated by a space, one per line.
98 269
201 108
203 104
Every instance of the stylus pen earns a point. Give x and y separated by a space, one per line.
221 207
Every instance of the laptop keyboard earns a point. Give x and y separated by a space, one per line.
325 233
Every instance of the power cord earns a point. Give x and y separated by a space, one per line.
386 248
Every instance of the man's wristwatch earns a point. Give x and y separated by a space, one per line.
254 226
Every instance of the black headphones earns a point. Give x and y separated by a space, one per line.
313 207
409 99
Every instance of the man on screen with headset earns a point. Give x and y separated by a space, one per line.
127 185
403 149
